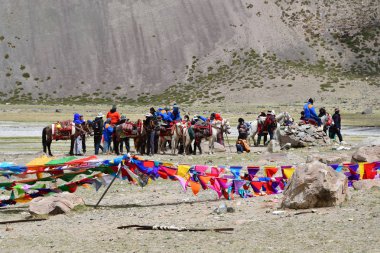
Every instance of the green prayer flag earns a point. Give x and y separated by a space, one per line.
60 161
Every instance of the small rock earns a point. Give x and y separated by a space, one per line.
278 212
367 111
366 184
58 204
366 154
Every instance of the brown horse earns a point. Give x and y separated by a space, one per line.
136 131
69 131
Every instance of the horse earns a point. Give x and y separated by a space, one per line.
180 133
165 135
283 118
71 133
136 131
217 129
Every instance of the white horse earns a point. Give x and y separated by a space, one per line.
179 132
221 127
282 118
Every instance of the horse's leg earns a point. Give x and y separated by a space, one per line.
210 144
72 140
253 138
161 144
49 146
184 140
44 139
174 144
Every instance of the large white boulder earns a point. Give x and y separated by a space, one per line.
315 185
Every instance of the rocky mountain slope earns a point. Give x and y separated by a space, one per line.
190 51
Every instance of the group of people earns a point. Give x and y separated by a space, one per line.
153 124
266 125
164 118
330 124
103 131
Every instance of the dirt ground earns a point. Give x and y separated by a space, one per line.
352 227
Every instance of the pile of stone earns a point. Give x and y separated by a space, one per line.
300 136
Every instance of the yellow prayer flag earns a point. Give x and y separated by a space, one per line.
288 172
361 169
183 170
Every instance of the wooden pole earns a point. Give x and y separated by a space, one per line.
105 192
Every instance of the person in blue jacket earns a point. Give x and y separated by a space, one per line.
78 119
176 115
107 136
310 112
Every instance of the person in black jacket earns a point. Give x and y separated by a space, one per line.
335 129
97 125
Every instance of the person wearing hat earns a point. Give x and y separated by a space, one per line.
80 142
261 130
270 124
97 126
336 127
310 112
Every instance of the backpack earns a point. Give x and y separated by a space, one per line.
329 121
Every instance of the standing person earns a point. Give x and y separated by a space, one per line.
261 130
107 136
336 127
270 124
151 133
97 125
79 141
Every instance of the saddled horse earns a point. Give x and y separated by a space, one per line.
281 119
134 130
218 129
65 130
180 134
165 134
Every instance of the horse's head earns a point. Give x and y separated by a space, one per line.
226 126
288 119
284 118
87 127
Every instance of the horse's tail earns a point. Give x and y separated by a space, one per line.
44 141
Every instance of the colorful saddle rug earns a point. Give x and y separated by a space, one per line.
131 130
203 128
62 130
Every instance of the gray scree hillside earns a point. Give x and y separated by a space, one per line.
51 49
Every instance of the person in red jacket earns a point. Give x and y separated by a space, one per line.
113 115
